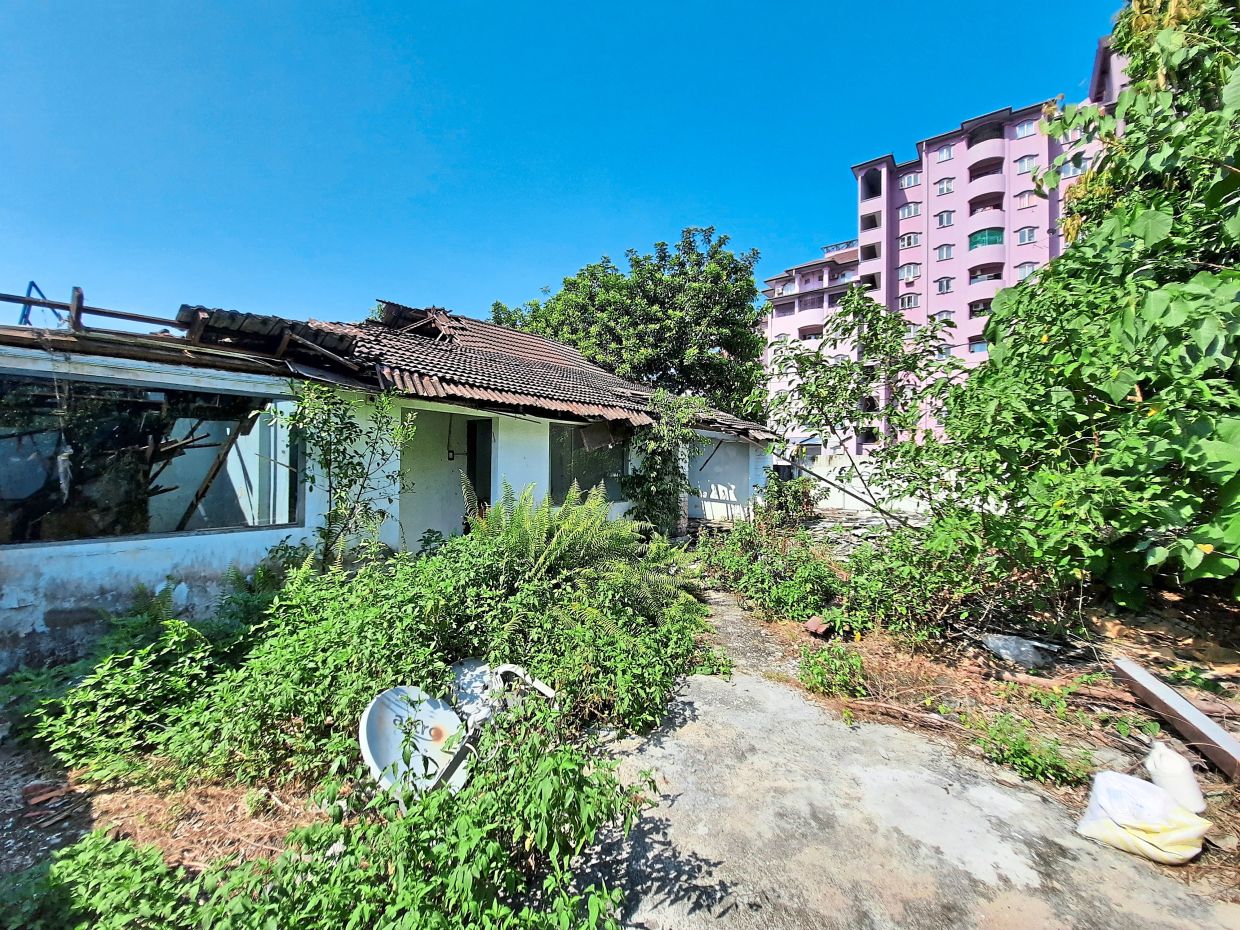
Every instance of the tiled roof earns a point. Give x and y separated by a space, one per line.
431 353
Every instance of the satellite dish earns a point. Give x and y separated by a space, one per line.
408 716
471 687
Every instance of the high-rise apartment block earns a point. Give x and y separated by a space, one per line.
940 234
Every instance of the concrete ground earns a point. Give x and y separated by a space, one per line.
775 813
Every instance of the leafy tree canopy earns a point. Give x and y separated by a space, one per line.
684 319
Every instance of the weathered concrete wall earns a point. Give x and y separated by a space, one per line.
54 596
724 475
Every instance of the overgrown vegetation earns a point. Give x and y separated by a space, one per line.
662 452
1100 443
784 575
832 669
353 443
787 502
1009 740
584 602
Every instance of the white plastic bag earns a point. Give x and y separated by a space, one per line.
1174 774
1141 818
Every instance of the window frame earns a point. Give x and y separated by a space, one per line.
908 211
981 238
945 285
916 182
1026 235
945 186
944 153
939 254
1026 128
1026 164
951 219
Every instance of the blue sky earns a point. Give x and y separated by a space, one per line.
304 158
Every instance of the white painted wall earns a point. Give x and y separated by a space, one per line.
435 501
722 476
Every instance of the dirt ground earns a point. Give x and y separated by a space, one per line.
775 812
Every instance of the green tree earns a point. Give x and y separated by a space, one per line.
1106 423
684 318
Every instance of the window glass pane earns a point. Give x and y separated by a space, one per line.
571 461
81 460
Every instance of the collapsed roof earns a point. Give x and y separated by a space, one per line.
427 353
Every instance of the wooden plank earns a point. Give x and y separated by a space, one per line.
1202 733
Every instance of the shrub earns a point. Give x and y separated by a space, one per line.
833 669
787 502
783 574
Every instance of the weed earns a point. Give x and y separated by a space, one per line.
1008 740
833 669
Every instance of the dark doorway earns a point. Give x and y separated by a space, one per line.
478 458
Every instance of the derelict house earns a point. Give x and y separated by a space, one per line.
130 459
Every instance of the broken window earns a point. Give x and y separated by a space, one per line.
589 455
86 460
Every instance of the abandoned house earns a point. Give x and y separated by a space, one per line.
130 460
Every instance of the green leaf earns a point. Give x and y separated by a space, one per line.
1232 227
1231 92
1152 226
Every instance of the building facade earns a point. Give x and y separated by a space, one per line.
940 234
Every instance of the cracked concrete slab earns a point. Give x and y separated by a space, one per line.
774 813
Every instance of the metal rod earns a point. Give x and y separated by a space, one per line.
94 311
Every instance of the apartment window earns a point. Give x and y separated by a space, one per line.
945 218
1075 167
870 251
835 300
1026 163
944 285
871 221
945 185
784 309
871 184
809 333
984 237
910 240
944 153
1025 199
979 308
909 271
944 252
1025 269
977 344
86 460
910 301
571 461
811 303
912 179
943 316
943 351
985 273
1026 128
1026 234
910 210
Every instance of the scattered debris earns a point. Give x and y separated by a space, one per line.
1015 649
1203 733
1174 774
1141 818
817 626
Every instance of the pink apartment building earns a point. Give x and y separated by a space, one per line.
940 234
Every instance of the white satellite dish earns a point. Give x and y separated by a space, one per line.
407 715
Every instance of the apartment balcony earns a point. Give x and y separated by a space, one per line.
989 218
988 184
983 287
990 148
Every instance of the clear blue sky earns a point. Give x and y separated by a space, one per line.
304 158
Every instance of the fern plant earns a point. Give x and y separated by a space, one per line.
538 541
